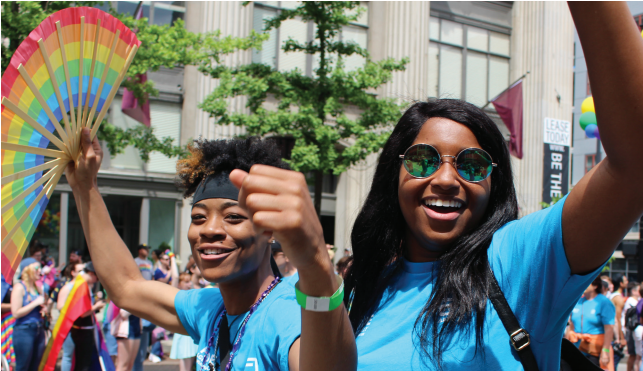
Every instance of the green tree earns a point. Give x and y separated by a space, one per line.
162 46
312 109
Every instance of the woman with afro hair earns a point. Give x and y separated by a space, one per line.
242 196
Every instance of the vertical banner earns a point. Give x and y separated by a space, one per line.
557 141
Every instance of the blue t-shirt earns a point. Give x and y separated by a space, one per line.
589 316
269 333
529 262
158 273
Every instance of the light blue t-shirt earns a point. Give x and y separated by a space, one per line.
269 333
529 262
589 316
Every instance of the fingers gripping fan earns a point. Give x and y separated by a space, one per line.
62 78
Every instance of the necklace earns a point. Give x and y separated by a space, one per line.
242 328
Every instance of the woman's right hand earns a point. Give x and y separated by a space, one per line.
82 175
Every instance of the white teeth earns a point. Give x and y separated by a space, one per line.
213 251
443 203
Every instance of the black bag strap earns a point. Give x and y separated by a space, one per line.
518 336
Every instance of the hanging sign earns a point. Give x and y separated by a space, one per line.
557 141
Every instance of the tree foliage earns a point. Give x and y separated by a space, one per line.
312 109
162 46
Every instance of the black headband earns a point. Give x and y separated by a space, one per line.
217 185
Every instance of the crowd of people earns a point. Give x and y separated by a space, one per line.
607 322
28 305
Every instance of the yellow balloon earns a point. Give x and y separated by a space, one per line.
588 105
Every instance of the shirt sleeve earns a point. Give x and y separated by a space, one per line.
528 259
196 309
608 312
287 331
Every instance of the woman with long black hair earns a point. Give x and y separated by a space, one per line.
439 226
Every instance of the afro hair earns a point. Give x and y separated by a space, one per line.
207 157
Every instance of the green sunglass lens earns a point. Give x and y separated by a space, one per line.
421 161
474 165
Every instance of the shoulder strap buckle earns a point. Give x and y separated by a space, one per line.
520 339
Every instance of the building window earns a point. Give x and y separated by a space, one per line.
626 266
467 62
300 31
158 12
590 162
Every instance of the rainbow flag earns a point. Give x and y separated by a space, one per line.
7 337
78 302
104 361
111 311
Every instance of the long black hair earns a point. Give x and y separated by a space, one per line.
378 234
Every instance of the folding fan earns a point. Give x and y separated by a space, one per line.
50 92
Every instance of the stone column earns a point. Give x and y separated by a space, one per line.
542 42
144 224
64 222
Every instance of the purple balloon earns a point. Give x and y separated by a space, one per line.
591 131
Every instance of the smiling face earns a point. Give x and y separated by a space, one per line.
224 243
430 228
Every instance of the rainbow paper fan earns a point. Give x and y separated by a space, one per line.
48 94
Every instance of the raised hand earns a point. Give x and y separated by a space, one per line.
278 200
82 174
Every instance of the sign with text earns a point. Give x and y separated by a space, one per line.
558 132
555 172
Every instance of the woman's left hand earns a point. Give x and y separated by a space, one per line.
278 201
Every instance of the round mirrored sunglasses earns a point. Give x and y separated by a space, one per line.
472 164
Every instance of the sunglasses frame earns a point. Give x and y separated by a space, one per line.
454 163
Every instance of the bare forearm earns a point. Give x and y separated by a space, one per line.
112 259
609 335
6 307
330 331
613 51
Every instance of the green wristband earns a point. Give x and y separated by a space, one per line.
606 350
321 304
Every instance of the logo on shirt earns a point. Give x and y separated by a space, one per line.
252 363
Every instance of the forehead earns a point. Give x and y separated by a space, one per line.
215 204
446 135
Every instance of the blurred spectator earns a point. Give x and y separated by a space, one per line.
82 331
7 324
27 306
620 282
198 282
75 257
145 266
156 256
607 278
593 325
285 267
71 271
633 297
343 264
126 327
183 347
156 353
638 333
167 269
